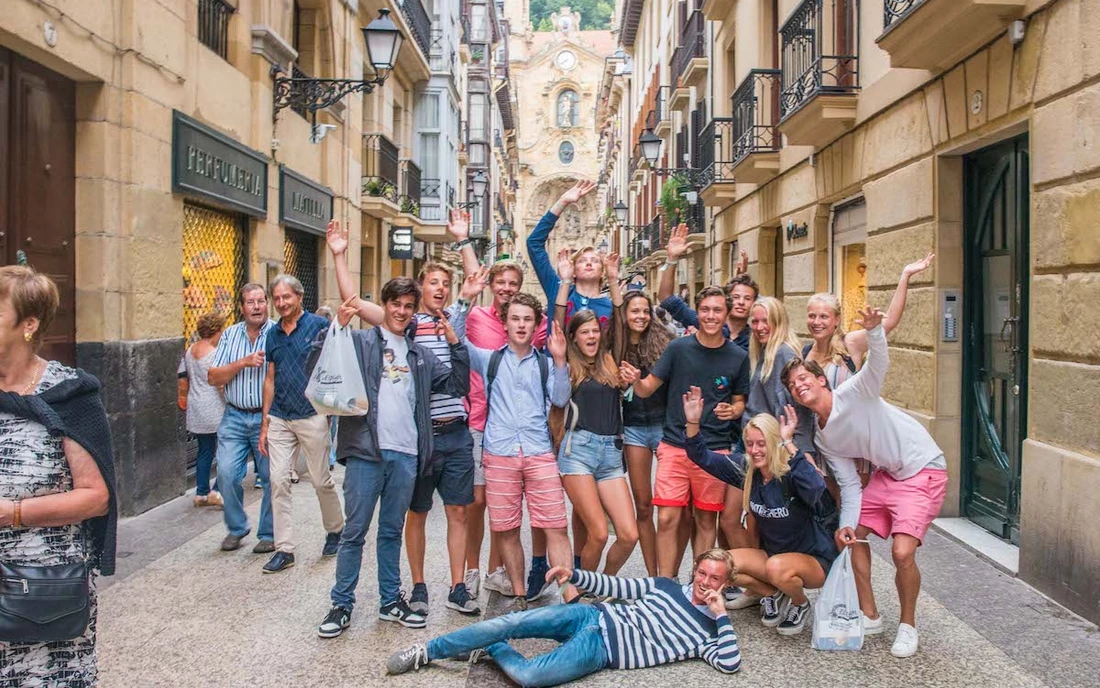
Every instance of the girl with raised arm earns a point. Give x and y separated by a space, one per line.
590 458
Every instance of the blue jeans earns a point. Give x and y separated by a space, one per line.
239 435
575 626
390 480
208 449
333 424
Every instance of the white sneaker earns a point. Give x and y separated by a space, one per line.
500 582
738 598
905 645
472 580
872 626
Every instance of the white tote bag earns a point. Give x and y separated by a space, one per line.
335 386
838 623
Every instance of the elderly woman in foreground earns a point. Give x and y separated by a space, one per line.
57 502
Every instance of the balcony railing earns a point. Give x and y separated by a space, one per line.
381 167
819 52
430 188
716 142
300 108
420 24
755 111
894 11
214 25
661 103
410 198
692 44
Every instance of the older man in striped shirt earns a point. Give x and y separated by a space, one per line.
661 622
239 368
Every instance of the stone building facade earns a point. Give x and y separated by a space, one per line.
964 128
555 76
150 173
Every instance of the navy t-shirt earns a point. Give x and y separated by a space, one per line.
720 373
290 354
783 507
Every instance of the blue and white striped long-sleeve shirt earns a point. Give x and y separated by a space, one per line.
661 626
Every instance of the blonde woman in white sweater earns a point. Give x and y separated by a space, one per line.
908 486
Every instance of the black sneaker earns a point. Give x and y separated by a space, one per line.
460 601
418 602
332 544
280 561
409 659
772 608
537 585
399 611
334 624
794 620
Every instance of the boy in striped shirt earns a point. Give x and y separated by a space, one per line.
664 622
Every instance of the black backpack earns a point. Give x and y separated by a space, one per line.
494 366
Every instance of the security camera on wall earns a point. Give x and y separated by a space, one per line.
319 132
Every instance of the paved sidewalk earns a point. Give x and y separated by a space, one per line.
183 612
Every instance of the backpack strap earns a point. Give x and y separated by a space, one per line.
806 350
491 375
544 372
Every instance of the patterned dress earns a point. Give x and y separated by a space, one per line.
32 464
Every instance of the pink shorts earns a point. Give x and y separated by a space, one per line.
508 478
903 506
680 482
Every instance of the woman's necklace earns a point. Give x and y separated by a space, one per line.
34 379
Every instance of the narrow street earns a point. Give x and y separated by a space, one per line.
181 611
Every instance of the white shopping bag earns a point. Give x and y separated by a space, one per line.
335 386
838 623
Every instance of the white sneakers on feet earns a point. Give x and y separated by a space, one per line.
872 626
499 581
905 644
472 579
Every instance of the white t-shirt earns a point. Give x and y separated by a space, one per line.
396 397
863 425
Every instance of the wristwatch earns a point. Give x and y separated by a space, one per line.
457 246
462 304
668 264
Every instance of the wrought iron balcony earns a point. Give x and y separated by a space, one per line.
819 52
214 25
716 152
411 185
420 24
896 10
692 45
381 167
755 111
430 188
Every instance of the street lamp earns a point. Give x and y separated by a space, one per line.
383 40
602 248
477 190
620 212
651 146
504 231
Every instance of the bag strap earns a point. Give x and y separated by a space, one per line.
491 376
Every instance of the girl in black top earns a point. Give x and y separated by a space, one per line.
637 337
782 488
590 457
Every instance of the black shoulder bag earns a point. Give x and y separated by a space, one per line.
44 604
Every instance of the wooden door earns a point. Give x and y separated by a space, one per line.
37 184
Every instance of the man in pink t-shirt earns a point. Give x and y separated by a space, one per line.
485 329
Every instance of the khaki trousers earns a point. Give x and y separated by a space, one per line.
286 439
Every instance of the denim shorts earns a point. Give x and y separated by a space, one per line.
648 436
590 454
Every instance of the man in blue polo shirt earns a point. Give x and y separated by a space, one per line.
238 367
291 426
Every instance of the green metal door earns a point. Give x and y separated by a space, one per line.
995 327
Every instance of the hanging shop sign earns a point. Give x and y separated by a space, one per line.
209 165
401 243
303 203
797 231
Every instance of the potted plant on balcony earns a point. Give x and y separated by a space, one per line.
673 205
373 187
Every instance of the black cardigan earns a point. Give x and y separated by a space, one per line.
73 408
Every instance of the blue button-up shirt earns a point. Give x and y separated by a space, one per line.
517 409
246 389
289 353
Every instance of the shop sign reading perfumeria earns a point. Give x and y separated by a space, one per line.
209 165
